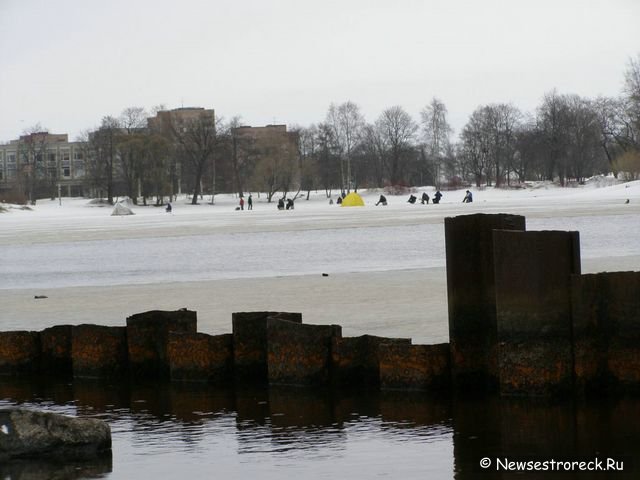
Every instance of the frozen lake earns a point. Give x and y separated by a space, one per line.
161 260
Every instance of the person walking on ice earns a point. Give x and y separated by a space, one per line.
241 203
249 203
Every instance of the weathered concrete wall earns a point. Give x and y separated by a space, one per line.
250 343
533 300
299 354
98 351
415 367
148 334
606 330
200 357
19 352
471 296
355 361
56 350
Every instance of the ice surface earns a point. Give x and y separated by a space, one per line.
385 264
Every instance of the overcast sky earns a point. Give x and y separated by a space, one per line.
67 63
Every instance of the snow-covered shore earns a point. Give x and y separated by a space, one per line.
385 265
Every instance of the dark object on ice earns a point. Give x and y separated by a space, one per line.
468 198
339 201
28 433
412 199
289 204
382 200
437 196
169 208
325 274
425 198
281 204
38 297
626 201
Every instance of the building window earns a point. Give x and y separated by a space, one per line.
78 168
66 165
78 155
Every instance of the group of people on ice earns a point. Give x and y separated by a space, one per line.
285 203
249 203
468 198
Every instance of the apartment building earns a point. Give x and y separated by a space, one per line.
46 161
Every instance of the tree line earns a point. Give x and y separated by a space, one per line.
567 138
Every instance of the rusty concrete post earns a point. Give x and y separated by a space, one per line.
299 354
250 344
606 330
198 357
471 296
148 335
19 353
533 300
98 351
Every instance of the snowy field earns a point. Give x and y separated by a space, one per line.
385 265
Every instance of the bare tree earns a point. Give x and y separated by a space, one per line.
553 120
104 155
374 147
346 123
474 150
155 167
32 151
436 133
275 166
133 121
307 154
196 141
584 155
398 129
329 161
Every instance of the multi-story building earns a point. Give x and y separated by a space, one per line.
43 161
179 118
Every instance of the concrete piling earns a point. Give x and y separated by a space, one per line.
355 361
250 343
98 351
198 357
606 329
533 301
471 296
19 352
415 367
148 335
299 354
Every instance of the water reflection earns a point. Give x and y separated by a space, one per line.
37 469
540 429
175 430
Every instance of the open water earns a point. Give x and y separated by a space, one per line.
175 431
